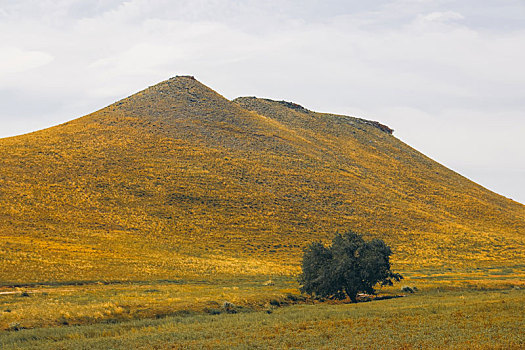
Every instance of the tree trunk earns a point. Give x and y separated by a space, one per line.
351 294
353 297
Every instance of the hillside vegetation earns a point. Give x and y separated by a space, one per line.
177 181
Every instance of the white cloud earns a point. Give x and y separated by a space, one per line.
446 16
15 60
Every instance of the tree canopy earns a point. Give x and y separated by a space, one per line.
349 266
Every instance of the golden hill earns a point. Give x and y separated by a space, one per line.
177 181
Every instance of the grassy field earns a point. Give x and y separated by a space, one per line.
480 308
33 306
428 319
134 225
178 182
65 304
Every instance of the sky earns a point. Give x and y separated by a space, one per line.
447 76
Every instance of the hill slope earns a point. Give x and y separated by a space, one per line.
178 181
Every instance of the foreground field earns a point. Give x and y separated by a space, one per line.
480 308
448 319
34 306
48 306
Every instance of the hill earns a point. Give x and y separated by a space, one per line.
177 181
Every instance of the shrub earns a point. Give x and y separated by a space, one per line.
408 289
348 267
275 302
15 326
229 308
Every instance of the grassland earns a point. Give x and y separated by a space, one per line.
68 304
430 319
132 226
177 182
36 306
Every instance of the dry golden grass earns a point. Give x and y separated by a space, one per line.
178 182
179 200
427 320
59 305
34 306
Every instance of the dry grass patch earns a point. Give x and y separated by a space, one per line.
431 320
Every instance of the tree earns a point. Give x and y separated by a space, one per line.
348 267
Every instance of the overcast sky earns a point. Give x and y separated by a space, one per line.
448 76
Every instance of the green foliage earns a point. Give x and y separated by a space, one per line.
350 266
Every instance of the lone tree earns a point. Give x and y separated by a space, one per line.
348 267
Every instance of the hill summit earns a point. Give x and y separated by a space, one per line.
176 180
